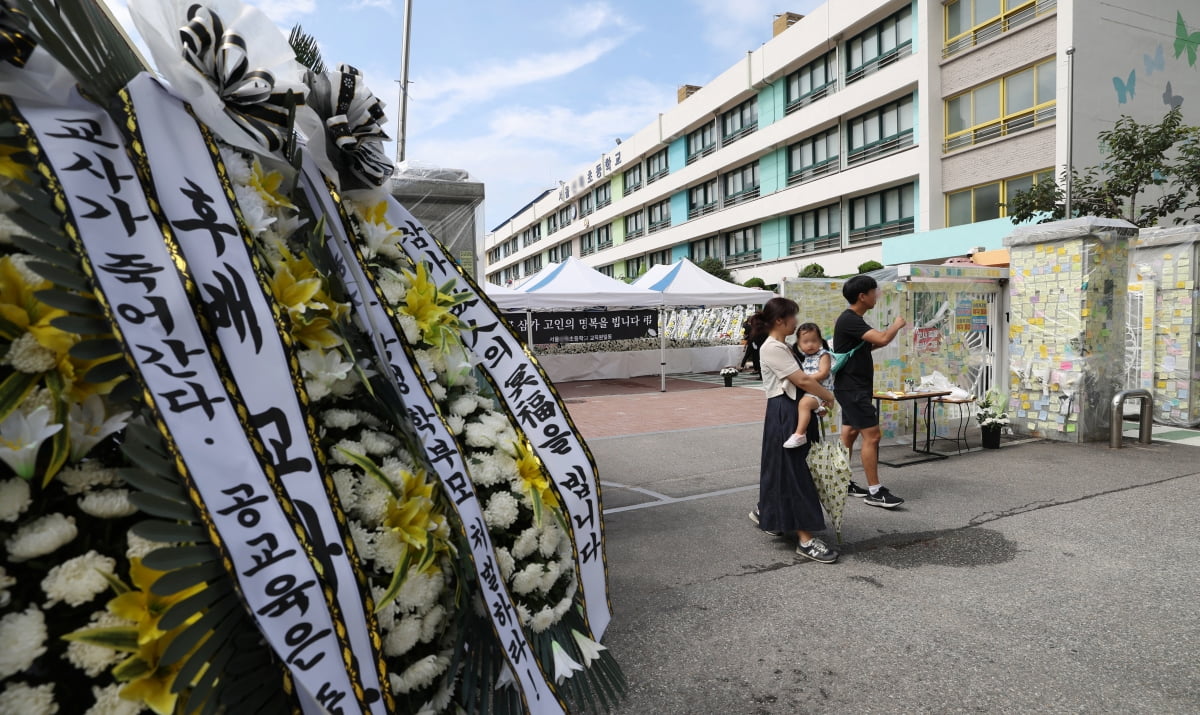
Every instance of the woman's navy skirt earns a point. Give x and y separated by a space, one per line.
787 498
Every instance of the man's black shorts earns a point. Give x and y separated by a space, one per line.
858 408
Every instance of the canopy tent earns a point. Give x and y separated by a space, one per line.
574 284
685 283
504 298
533 280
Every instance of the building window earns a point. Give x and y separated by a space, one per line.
881 131
604 237
531 235
657 166
551 223
739 121
587 204
561 252
704 248
603 195
660 258
587 243
813 156
633 179
880 45
509 247
970 22
702 199
565 215
1018 101
884 213
635 225
532 265
635 267
988 201
702 142
812 81
659 215
741 184
816 230
606 270
742 246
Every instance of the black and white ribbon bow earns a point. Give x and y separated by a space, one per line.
249 94
16 44
353 120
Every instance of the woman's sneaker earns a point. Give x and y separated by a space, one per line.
817 551
856 491
754 518
796 440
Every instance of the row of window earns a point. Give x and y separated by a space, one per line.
989 201
969 22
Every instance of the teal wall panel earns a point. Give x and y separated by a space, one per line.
679 208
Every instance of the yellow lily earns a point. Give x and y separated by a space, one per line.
10 168
144 607
533 477
266 184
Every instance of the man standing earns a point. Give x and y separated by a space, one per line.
854 384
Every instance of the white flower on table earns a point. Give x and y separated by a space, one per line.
22 435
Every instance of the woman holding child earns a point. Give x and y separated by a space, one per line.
787 498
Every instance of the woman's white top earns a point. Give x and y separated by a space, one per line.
777 362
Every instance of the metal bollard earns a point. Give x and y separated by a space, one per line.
1118 416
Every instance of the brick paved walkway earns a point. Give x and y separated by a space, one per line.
645 409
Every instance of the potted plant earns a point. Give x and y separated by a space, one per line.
728 373
992 414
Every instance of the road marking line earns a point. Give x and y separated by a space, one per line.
666 500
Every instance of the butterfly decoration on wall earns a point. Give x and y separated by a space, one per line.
1185 41
1154 62
1126 89
1172 100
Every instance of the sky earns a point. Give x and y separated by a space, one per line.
522 93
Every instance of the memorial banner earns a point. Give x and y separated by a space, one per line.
584 326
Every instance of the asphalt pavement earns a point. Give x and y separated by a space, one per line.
1040 577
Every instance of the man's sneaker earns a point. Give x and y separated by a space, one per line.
796 440
856 491
883 498
754 518
817 551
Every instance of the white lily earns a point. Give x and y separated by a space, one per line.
564 665
588 647
22 435
505 679
89 425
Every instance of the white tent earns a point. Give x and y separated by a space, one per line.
685 283
574 284
504 298
535 278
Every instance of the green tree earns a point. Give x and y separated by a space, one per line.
869 266
755 282
813 270
716 268
1148 173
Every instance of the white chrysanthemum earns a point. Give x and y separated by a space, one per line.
432 622
137 547
389 549
549 539
345 484
485 403
542 620
412 332
107 504
523 613
236 166
254 209
438 392
501 511
28 700
420 591
95 659
372 501
364 540
337 454
385 616
505 560
404 636
24 637
464 405
110 702
493 468
393 289
569 599
456 424
40 537
27 355
378 443
5 582
420 674
77 581
491 430
525 544
550 575
527 579
86 476
14 498
340 419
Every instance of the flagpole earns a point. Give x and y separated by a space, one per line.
402 120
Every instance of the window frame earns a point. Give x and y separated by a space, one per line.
640 229
1042 111
880 147
747 115
1013 14
695 155
886 227
711 190
632 186
665 216
902 17
1046 174
830 241
800 99
748 190
832 137
601 202
653 175
747 235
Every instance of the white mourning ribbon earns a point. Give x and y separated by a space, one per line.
526 392
194 201
440 449
150 300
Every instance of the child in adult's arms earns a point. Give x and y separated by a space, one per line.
813 354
